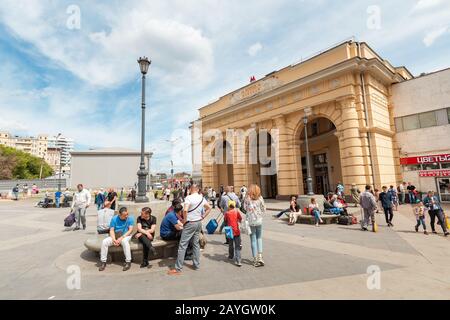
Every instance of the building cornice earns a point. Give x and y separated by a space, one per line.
355 64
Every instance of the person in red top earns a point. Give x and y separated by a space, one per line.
232 218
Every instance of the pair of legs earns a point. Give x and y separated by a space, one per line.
191 232
388 214
317 217
57 202
412 198
368 214
293 216
437 214
283 212
146 248
421 221
257 246
80 217
108 242
234 249
213 203
402 198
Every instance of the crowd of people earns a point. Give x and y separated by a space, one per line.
183 221
242 214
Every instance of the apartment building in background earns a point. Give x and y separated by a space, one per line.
52 149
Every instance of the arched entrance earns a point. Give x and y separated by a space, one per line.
325 159
263 168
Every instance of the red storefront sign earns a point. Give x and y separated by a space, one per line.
426 159
434 173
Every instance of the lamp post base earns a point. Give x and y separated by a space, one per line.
141 199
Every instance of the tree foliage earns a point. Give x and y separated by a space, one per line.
16 164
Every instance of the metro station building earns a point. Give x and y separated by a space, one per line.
345 93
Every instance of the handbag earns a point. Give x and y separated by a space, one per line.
245 227
228 232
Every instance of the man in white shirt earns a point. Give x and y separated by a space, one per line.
80 203
194 206
104 217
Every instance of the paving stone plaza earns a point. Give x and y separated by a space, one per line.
302 262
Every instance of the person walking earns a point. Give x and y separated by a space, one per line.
122 192
386 203
401 191
80 203
196 208
100 200
58 195
228 195
213 198
255 207
435 211
233 218
394 195
419 212
368 205
25 190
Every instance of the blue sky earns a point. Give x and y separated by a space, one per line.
85 82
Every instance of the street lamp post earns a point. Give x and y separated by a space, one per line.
60 163
308 163
142 173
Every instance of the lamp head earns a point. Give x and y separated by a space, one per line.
144 64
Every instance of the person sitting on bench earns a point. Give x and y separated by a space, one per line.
146 225
171 225
119 235
104 217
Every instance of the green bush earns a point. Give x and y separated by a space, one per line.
16 164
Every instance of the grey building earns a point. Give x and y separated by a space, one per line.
104 168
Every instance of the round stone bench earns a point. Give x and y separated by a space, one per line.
164 249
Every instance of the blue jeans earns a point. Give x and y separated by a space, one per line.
57 202
283 212
256 240
412 198
316 216
421 221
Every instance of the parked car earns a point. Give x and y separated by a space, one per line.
157 186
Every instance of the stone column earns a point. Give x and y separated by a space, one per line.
287 171
240 175
354 147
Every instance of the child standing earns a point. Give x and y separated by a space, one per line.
232 218
315 211
419 211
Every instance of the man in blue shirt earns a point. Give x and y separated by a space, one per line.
120 231
171 225
58 198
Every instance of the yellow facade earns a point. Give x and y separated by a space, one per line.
347 90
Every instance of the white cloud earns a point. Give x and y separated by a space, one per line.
254 49
426 4
432 36
181 54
